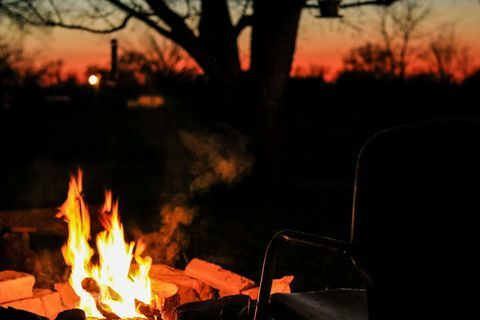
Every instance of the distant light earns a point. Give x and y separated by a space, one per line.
93 80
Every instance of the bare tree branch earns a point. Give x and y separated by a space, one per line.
55 9
399 28
45 21
367 3
113 28
144 17
359 4
171 18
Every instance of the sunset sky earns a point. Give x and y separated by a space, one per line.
321 42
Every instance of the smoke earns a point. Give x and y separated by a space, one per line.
165 244
216 159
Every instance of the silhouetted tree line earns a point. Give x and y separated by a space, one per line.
21 82
208 30
164 68
406 43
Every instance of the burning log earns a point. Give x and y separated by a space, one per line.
166 298
15 285
91 286
105 311
148 311
227 282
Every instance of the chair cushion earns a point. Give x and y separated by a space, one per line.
335 304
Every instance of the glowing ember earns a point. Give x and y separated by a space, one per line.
112 286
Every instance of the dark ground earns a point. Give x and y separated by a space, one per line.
137 153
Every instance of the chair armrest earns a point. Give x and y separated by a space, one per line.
328 245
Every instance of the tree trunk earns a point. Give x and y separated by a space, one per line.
274 33
218 44
218 40
259 95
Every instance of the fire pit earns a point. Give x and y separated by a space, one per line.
111 278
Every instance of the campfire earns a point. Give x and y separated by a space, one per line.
118 285
111 278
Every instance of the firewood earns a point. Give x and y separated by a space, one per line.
15 285
105 311
92 287
189 289
169 306
69 298
51 302
228 282
166 298
148 311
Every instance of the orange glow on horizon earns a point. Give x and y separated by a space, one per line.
320 43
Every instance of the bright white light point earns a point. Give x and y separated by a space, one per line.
93 80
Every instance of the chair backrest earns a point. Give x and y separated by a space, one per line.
414 226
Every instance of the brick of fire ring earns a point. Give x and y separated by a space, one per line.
33 305
51 302
68 296
227 282
15 285
43 302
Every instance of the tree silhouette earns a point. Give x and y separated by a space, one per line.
400 25
10 58
399 29
369 59
447 57
403 47
160 60
208 31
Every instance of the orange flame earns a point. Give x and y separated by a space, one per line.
119 285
